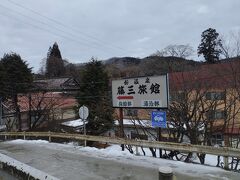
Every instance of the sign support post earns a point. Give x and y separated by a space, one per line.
84 130
121 130
83 114
159 139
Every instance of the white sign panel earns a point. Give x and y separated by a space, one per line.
83 112
142 92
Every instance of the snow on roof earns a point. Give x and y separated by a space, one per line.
74 123
148 123
200 125
145 123
3 127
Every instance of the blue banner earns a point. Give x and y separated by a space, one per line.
159 119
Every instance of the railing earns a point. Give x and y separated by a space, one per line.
220 151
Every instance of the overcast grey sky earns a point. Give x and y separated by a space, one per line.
107 28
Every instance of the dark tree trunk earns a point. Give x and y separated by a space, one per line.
218 161
143 151
153 152
18 114
188 157
30 111
202 158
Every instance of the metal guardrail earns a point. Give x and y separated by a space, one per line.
221 151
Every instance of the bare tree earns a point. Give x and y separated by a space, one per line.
43 108
42 69
182 51
204 104
141 130
231 45
190 111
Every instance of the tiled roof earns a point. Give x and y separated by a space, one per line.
56 83
43 101
220 76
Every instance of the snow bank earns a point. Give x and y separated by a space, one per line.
20 141
196 170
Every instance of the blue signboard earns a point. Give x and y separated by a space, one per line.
159 119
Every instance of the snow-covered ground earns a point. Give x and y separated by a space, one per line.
68 161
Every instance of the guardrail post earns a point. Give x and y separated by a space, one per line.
137 152
85 142
24 135
165 173
225 158
49 136
5 137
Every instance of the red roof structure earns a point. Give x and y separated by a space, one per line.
219 76
44 100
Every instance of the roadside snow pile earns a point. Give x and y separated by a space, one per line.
111 151
25 168
20 141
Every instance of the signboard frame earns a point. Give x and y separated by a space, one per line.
141 107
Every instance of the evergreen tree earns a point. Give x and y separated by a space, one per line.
2 80
18 76
94 94
18 79
210 45
54 63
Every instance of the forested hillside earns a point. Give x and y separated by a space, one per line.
151 65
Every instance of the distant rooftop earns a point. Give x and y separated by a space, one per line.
66 83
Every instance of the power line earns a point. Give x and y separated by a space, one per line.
44 29
63 25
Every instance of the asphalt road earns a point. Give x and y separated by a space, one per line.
74 164
67 165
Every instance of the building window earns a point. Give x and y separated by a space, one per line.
217 114
217 139
215 95
235 142
177 96
130 112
